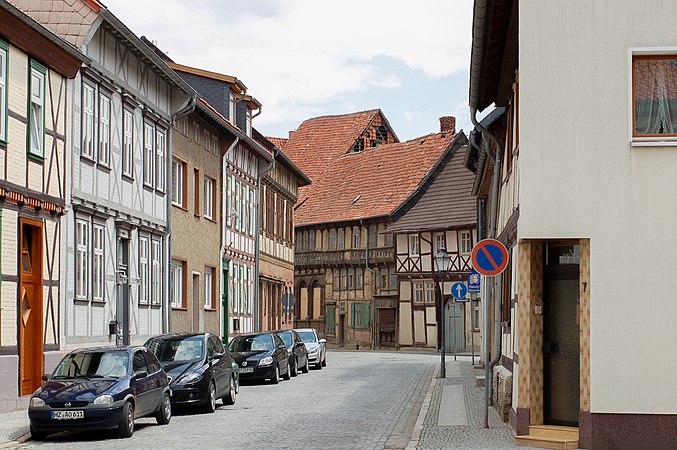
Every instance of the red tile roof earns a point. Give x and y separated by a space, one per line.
371 183
319 141
278 141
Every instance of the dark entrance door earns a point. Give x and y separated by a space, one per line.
561 358
122 282
30 305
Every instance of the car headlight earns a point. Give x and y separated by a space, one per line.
37 402
268 360
313 351
103 400
190 378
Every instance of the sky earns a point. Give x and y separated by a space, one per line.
309 58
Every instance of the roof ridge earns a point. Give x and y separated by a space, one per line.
374 110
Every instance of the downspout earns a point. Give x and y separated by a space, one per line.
257 288
495 188
224 213
189 108
373 289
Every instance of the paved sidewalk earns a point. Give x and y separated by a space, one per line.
452 415
13 428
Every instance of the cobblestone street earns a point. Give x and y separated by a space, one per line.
361 400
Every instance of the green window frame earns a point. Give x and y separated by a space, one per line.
4 76
360 312
330 314
37 82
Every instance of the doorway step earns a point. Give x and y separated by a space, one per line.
549 436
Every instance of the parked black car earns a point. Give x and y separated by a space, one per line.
298 354
200 369
101 388
261 356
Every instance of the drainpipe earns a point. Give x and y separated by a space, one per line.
495 188
224 182
189 108
373 289
257 250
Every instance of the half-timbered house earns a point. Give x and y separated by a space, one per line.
279 193
440 215
34 68
116 237
243 161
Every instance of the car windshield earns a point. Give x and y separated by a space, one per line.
102 364
260 343
307 336
286 338
177 348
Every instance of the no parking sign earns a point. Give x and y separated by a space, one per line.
489 257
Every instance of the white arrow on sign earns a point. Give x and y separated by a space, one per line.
459 291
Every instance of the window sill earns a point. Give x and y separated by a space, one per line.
148 187
36 158
653 143
155 306
104 167
161 192
127 177
209 219
3 144
143 305
210 309
87 159
179 206
179 308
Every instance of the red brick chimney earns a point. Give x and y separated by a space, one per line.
448 124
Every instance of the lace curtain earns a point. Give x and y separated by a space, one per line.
655 91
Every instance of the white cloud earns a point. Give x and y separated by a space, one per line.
411 116
296 56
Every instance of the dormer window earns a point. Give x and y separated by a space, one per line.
231 107
359 145
248 123
381 134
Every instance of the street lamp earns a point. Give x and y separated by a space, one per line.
442 264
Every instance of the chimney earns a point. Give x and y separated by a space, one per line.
448 124
291 133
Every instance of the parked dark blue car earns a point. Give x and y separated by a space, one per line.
101 388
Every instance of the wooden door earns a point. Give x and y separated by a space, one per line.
30 306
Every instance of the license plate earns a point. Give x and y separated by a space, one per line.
67 415
246 369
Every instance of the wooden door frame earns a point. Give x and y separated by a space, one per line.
38 358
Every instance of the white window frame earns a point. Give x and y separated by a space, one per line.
250 289
238 205
177 287
208 198
429 291
178 174
440 242
252 212
160 152
232 109
419 296
465 242
36 118
356 237
245 209
82 259
104 129
649 141
248 122
144 270
88 130
4 54
156 272
209 287
148 154
98 263
128 142
414 245
236 289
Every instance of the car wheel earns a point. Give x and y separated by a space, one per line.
287 374
295 368
276 377
229 399
306 367
165 414
126 425
38 435
210 406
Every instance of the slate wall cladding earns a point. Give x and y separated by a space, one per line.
213 91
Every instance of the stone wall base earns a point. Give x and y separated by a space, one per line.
502 391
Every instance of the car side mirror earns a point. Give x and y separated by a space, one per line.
140 374
217 356
322 341
282 346
45 377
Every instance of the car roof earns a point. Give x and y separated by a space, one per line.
263 333
305 329
111 348
180 334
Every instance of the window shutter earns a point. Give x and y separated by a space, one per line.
365 315
352 313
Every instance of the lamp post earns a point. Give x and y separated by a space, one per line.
442 263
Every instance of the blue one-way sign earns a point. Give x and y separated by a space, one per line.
459 290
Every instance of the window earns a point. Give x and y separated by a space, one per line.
3 90
373 236
332 239
413 245
249 281
208 140
238 206
178 180
311 240
466 242
253 210
440 243
236 288
144 269
358 146
196 191
351 278
98 269
337 279
148 155
231 107
393 278
36 117
160 150
229 199
340 239
128 143
209 288
356 237
177 284
104 129
82 259
248 122
389 240
245 208
88 121
429 292
381 134
344 278
476 314
654 108
156 293
359 279
209 198
384 278
196 132
360 313
418 291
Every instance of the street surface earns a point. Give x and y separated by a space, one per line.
361 400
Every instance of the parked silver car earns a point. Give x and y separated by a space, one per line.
317 350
